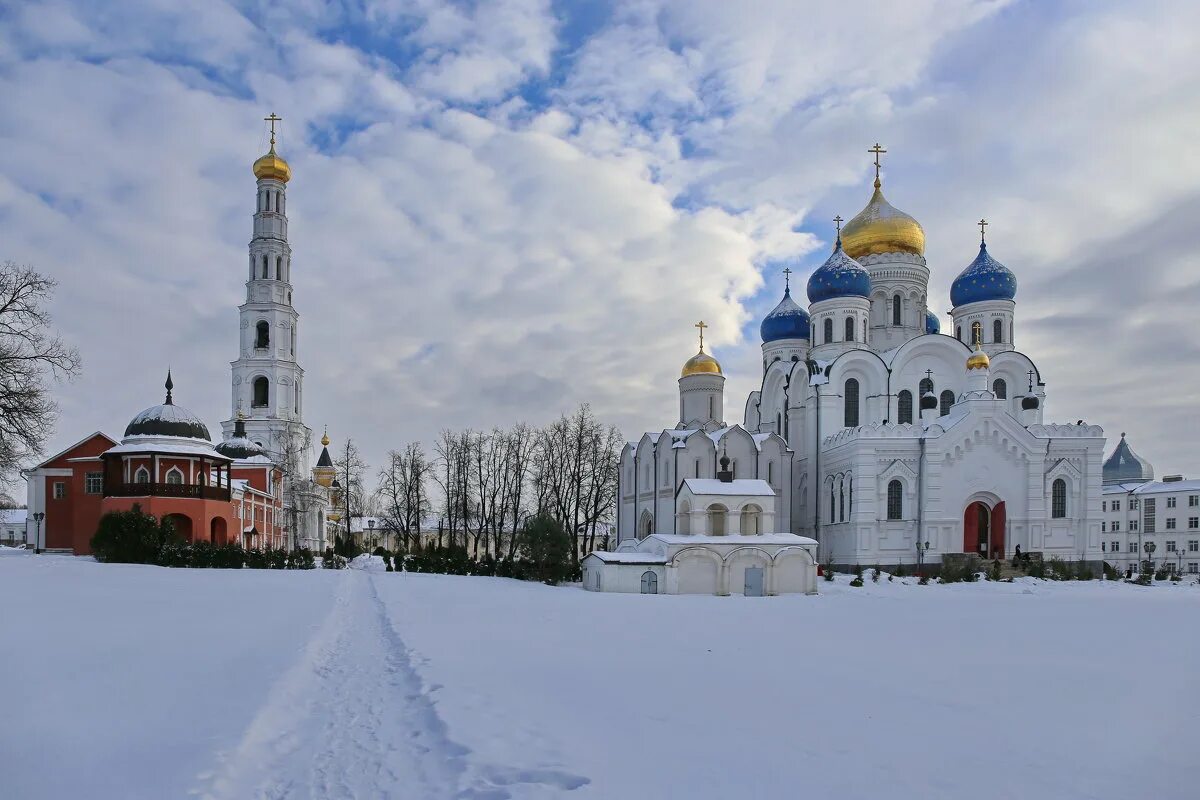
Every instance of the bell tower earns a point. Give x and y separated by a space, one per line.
268 383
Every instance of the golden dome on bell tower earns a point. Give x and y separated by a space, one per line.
271 166
881 227
701 363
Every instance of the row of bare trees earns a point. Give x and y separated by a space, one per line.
478 488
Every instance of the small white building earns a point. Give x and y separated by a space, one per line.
13 523
720 547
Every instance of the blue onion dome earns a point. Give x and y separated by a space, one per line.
985 278
168 419
932 324
787 321
839 276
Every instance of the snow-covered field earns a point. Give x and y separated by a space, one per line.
139 682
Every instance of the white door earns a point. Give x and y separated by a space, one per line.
754 582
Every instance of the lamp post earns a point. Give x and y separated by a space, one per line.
1150 547
38 516
371 525
922 548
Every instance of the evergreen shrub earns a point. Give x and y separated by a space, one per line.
857 581
131 537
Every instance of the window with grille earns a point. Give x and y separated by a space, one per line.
849 329
60 490
851 401
896 310
1148 516
926 385
895 500
947 400
997 331
1058 499
93 482
904 407
1000 389
828 330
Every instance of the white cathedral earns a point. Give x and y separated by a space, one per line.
876 435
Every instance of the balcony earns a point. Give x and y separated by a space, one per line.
185 490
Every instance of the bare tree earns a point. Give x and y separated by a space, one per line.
350 470
30 354
402 495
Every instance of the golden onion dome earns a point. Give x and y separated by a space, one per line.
978 359
272 166
325 439
882 228
701 364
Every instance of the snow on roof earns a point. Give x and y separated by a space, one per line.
738 486
627 557
740 541
156 444
1165 487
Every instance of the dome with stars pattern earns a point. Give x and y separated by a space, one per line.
985 278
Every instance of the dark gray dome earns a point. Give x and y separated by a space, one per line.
239 445
168 419
1124 465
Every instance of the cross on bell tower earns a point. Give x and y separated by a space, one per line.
701 325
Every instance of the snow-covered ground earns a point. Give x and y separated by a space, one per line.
139 682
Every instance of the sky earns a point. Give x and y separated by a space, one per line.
501 210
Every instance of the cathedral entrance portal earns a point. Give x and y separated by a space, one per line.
983 530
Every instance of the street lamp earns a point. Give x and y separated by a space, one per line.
922 548
38 516
1150 547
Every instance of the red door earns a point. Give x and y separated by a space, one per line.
998 531
971 529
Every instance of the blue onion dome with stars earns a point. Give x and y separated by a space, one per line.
932 324
787 321
839 276
985 278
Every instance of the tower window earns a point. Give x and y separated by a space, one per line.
958 333
849 329
828 330
851 400
261 392
895 500
1000 389
976 332
278 268
1058 499
947 400
262 339
904 407
896 310
264 268
997 331
926 385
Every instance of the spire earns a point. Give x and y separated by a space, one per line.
170 384
878 151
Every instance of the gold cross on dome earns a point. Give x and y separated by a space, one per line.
983 223
701 326
878 151
272 119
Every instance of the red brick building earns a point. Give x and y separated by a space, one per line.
166 464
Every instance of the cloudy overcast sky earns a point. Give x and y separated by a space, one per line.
502 209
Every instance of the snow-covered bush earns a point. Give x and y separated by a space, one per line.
857 581
301 558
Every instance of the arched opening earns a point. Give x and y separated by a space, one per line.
896 310
262 335
849 329
142 475
1058 499
751 521
958 332
926 385
895 500
947 400
649 582
181 524
278 268
1000 389
983 530
261 392
683 519
264 267
646 525
217 531
850 397
717 515
997 331
904 407
828 326
175 476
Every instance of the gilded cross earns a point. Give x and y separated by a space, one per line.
272 119
983 223
701 326
787 278
878 151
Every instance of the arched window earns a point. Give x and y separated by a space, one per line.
904 407
851 400
262 339
264 268
174 476
278 268
828 330
895 500
849 329
997 331
261 392
716 519
926 385
683 519
896 310
976 332
864 330
142 475
958 333
751 522
947 401
1000 389
1058 499
832 509
842 502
